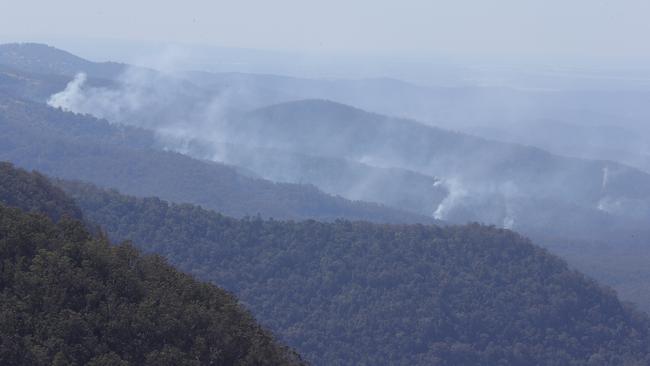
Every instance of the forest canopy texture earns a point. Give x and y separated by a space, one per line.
68 298
359 293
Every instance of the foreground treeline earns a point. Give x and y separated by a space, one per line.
339 293
69 298
357 293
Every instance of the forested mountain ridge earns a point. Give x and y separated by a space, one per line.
28 85
358 293
487 181
351 180
406 143
475 109
68 298
75 146
611 212
598 224
560 118
394 187
509 185
33 192
43 59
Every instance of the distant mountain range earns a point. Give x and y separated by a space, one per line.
41 59
559 120
552 119
286 159
505 176
484 180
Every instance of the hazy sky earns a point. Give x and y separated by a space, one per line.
604 31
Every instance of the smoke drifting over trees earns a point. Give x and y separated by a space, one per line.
378 183
303 142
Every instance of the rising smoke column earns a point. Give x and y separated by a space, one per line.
456 194
605 178
494 204
71 98
115 105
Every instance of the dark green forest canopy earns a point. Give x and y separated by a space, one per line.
32 192
68 298
359 293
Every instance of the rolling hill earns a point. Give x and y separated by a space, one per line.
489 109
476 168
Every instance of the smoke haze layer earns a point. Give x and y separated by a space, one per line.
458 178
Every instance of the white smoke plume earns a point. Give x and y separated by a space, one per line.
488 203
605 177
456 195
508 222
71 98
111 104
609 205
160 101
180 113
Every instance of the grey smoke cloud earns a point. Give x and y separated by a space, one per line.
196 121
70 98
160 101
150 100
192 123
135 93
495 203
112 104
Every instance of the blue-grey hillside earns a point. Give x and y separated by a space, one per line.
487 180
42 59
73 146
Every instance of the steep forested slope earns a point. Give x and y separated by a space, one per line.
67 298
33 192
357 293
621 266
80 147
28 85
